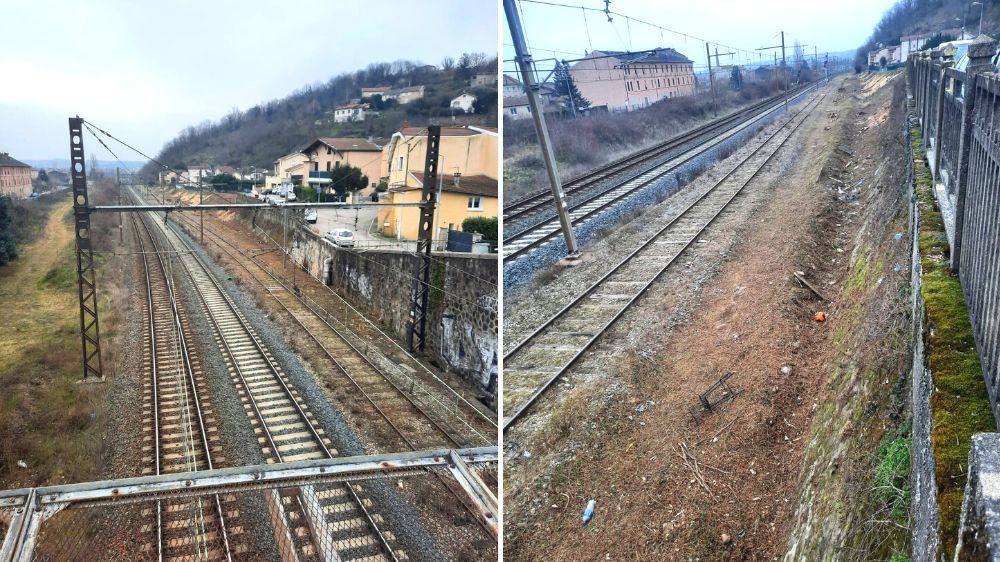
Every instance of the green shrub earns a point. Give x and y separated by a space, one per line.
487 226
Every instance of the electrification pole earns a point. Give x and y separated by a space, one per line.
711 82
524 61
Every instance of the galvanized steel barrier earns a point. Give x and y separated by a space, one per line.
959 110
270 515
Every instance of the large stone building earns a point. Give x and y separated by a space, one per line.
469 167
625 81
15 177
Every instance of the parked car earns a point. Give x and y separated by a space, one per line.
341 237
311 216
35 195
253 193
291 196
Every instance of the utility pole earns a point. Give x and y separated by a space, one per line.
90 328
711 82
784 69
121 225
784 78
201 214
524 62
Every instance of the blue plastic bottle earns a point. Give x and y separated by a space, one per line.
588 513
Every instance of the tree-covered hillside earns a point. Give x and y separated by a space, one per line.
259 135
908 17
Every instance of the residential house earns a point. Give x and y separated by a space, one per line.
350 112
464 103
376 91
404 96
469 169
196 173
483 80
170 177
325 154
516 107
289 169
15 177
909 44
512 87
625 81
890 53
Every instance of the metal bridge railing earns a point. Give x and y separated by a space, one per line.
290 511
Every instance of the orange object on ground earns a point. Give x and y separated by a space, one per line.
820 316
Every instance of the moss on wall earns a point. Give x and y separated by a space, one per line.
960 405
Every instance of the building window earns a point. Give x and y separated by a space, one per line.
513 111
475 203
400 162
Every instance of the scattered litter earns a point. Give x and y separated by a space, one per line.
588 513
898 268
821 316
642 407
786 370
717 395
526 454
726 539
899 236
22 464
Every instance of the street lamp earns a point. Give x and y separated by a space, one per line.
980 17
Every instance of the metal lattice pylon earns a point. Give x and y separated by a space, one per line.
90 332
425 234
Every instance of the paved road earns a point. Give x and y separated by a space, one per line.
363 223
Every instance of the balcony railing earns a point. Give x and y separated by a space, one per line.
319 177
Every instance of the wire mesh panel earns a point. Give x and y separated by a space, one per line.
372 509
979 266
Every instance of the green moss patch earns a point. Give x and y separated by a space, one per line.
960 406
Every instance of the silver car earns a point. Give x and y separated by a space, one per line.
341 237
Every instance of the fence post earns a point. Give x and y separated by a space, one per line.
929 109
980 54
942 81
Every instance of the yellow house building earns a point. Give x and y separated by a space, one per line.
325 154
289 165
469 168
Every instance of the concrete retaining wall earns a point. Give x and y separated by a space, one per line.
462 320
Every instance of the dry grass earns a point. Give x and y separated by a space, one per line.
47 419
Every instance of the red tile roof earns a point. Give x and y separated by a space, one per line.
481 185
345 144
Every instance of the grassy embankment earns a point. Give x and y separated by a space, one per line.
47 419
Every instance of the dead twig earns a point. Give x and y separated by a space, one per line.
809 286
691 462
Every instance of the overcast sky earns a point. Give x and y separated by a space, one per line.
143 71
744 24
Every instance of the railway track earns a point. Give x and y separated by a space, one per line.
535 223
541 357
428 420
179 428
332 521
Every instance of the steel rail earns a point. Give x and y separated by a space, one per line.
529 203
692 153
413 446
182 340
315 338
590 290
273 368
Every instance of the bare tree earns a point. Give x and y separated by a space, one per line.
447 63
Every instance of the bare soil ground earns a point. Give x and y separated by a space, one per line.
735 307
